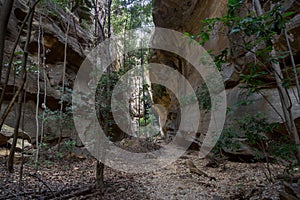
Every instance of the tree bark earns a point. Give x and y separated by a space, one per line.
286 104
63 87
100 164
10 161
284 95
4 17
99 175
8 108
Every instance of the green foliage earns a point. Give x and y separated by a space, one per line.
61 3
254 34
227 141
17 65
52 116
252 80
253 31
128 15
220 59
104 91
43 145
70 145
59 154
80 8
283 148
232 6
48 163
203 97
254 128
146 120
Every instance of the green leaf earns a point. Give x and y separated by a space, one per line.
18 53
287 14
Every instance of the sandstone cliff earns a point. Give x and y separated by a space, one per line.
186 16
49 29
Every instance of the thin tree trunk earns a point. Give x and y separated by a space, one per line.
10 161
38 98
285 103
44 107
7 110
109 18
4 17
293 62
11 104
99 174
22 154
63 86
100 164
284 95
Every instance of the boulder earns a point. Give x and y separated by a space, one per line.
264 103
18 157
257 103
7 133
19 145
4 152
51 127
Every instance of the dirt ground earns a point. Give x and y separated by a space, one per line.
71 176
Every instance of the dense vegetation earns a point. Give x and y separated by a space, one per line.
254 30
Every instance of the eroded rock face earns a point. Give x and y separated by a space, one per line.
186 16
7 133
258 103
49 28
267 104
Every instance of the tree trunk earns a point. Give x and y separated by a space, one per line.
100 164
63 87
286 104
9 107
99 175
4 17
10 161
285 99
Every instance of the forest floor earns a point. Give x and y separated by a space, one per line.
71 176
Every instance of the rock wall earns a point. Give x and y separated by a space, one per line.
186 16
51 22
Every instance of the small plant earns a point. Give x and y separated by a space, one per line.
70 145
48 163
143 121
55 115
253 31
227 141
203 97
43 145
254 129
283 148
59 154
